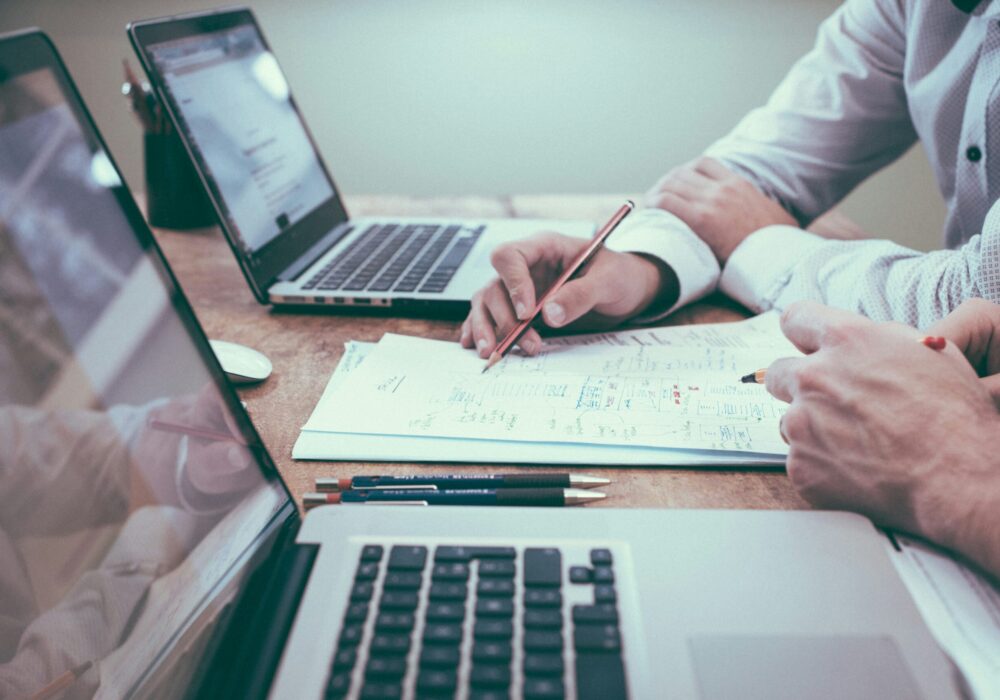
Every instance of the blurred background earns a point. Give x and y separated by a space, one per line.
453 97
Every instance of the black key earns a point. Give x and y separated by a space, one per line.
440 657
445 612
493 629
600 677
495 607
442 633
394 622
367 571
436 681
497 568
381 691
402 581
542 640
372 552
399 600
361 593
451 571
443 592
385 667
344 659
542 599
604 574
407 558
543 619
597 638
543 665
390 644
492 652
595 615
338 685
356 612
490 694
542 567
350 636
543 688
580 574
601 557
489 676
448 553
605 594
496 587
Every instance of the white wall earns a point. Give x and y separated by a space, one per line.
459 97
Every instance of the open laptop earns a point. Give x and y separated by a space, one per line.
149 549
275 198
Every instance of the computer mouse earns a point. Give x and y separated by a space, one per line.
241 364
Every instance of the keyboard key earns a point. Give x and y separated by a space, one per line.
385 667
601 557
595 615
390 644
489 676
492 652
600 677
361 592
498 568
448 553
493 629
542 599
394 622
367 571
440 657
399 600
356 612
338 685
451 571
543 619
381 691
489 694
402 581
495 607
445 612
344 659
580 574
350 635
407 558
543 665
442 633
542 567
443 592
604 574
495 587
543 688
436 681
597 638
605 594
542 640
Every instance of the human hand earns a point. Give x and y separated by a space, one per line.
974 328
721 207
882 425
614 286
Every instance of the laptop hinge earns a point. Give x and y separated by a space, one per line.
315 252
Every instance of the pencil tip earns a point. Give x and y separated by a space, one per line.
749 378
494 358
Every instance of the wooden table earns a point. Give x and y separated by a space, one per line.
305 348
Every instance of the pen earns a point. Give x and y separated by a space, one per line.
571 270
191 430
61 682
465 497
463 481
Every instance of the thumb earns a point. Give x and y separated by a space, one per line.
992 384
572 301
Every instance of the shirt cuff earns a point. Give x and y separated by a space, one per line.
661 235
761 266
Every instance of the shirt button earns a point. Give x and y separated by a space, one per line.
973 154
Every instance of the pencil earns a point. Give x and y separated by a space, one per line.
571 271
754 377
61 682
191 430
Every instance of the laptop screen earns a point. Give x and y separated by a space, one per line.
131 485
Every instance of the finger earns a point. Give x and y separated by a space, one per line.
696 181
499 308
972 328
530 342
465 337
781 380
514 262
676 205
713 169
689 186
573 300
992 384
482 328
811 325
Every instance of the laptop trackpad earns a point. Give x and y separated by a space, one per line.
801 668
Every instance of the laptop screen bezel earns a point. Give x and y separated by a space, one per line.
263 267
29 50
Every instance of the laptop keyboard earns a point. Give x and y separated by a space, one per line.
426 622
398 258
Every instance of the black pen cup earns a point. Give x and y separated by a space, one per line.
175 195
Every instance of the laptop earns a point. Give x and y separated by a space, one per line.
150 549
275 199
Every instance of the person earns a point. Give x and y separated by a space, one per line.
882 74
881 424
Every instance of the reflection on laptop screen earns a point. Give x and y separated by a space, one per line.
128 489
236 109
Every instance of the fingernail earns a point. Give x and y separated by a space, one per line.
554 313
529 346
521 309
481 343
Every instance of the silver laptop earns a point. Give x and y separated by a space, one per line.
149 548
275 198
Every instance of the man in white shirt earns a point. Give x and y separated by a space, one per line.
882 74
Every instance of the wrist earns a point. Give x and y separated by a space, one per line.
661 286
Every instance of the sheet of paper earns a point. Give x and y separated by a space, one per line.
962 609
651 396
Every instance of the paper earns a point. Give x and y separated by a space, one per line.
640 392
961 608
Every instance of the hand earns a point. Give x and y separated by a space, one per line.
882 425
719 205
614 286
974 328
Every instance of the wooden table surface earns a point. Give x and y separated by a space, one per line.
305 348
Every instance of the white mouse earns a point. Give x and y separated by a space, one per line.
241 364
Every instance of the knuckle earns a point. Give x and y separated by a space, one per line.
796 424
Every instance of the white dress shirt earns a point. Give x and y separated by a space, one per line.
882 74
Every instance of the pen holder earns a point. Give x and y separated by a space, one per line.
175 196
